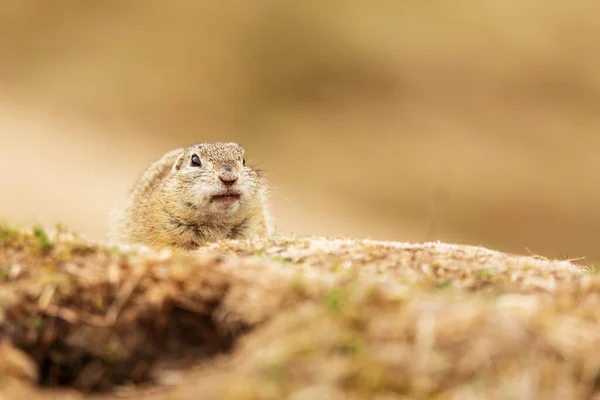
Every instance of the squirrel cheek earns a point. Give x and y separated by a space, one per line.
198 192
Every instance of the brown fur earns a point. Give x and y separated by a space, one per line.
172 203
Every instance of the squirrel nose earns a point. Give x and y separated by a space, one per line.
228 175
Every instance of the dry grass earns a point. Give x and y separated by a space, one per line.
295 318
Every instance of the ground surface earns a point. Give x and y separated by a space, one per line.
293 318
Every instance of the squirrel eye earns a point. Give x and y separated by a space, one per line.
244 161
196 161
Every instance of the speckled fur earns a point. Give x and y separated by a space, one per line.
171 205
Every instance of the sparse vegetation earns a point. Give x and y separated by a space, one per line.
268 319
7 234
42 237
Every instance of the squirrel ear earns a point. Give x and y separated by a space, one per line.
179 162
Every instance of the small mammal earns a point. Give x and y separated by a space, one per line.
193 195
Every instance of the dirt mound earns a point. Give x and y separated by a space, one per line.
303 318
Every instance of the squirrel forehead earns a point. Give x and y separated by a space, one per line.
218 152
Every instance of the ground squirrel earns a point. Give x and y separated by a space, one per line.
201 193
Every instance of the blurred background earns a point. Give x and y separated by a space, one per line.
474 122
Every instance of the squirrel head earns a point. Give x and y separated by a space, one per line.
213 179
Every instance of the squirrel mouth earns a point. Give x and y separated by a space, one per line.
226 197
